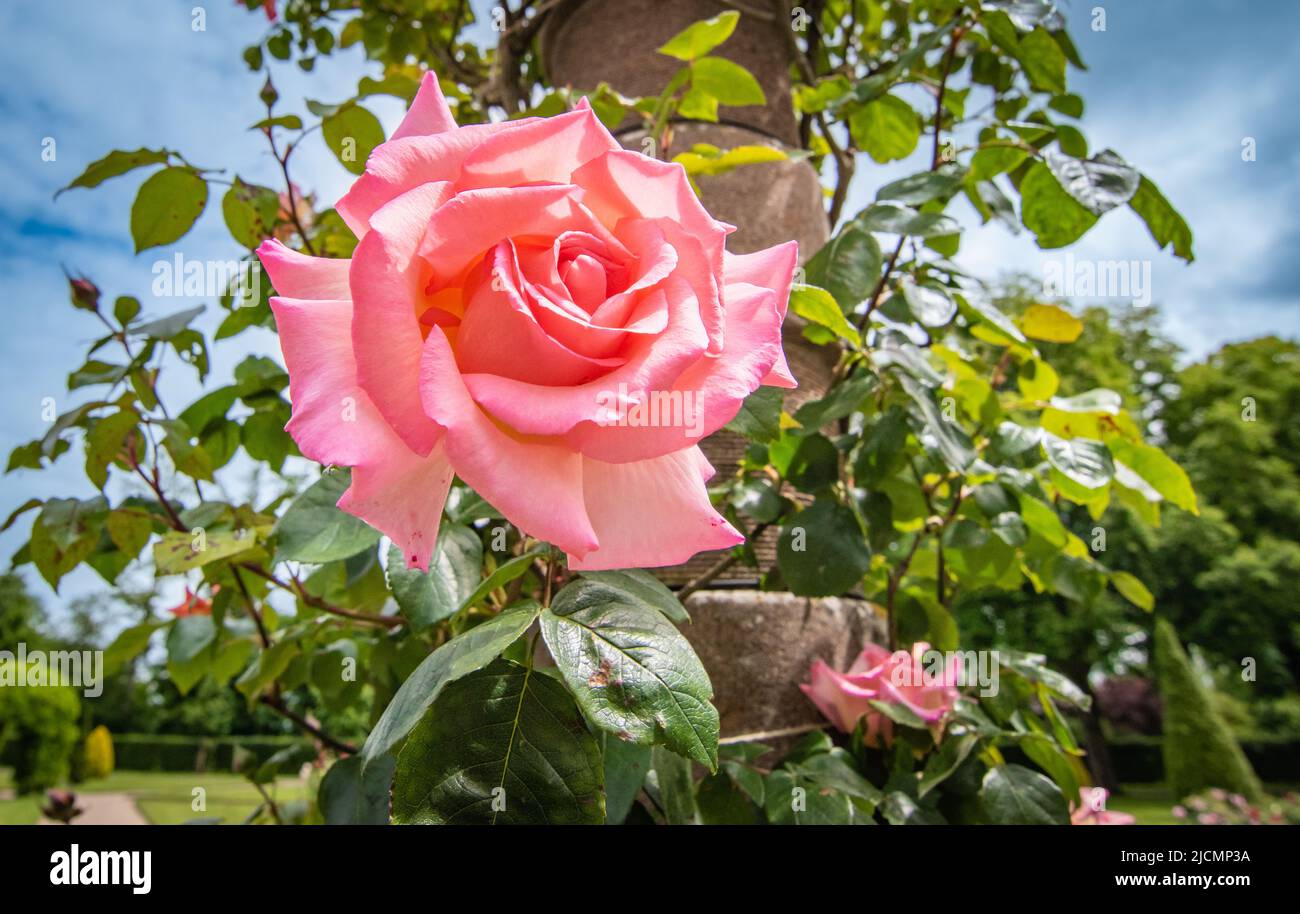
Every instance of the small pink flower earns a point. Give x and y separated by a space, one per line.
1180 812
900 678
1092 809
552 318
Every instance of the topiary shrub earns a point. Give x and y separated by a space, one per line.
1199 749
98 749
38 731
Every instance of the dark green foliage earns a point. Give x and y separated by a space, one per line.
1199 749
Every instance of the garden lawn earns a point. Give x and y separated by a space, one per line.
166 798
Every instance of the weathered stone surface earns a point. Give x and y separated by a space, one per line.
758 646
586 42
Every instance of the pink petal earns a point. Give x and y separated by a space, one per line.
499 334
334 421
297 275
390 281
716 385
429 113
403 164
623 184
472 222
651 513
653 364
772 268
403 496
536 484
545 150
840 701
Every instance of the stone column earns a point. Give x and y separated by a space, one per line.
756 645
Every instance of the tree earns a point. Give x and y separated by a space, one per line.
1199 748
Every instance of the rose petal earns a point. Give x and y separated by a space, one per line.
622 184
389 281
499 335
651 513
333 419
536 484
545 150
710 390
402 496
429 113
652 364
297 275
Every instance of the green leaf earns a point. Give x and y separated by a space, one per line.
1097 400
250 212
314 530
351 132
792 798
626 765
503 575
125 307
104 442
1043 61
700 38
930 304
461 655
117 162
1015 795
643 587
174 553
822 551
1037 380
727 81
920 188
128 645
903 220
631 671
1055 218
1158 469
698 105
166 207
1133 590
1085 461
886 128
1167 227
351 794
190 636
948 758
848 266
1050 323
759 418
167 328
455 569
1100 183
676 787
505 745
819 307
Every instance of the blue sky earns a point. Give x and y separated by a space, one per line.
1174 85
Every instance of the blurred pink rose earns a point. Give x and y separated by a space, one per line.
540 312
1092 809
879 675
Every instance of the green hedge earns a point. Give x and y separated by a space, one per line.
1138 759
166 752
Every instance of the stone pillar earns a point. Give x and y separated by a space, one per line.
756 645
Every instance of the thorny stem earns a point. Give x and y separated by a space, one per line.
288 184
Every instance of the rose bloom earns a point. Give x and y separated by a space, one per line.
519 291
897 677
1092 809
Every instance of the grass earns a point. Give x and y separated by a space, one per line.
167 798
1151 804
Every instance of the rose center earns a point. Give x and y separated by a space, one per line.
584 277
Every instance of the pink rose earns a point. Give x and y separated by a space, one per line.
540 312
1092 809
899 677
